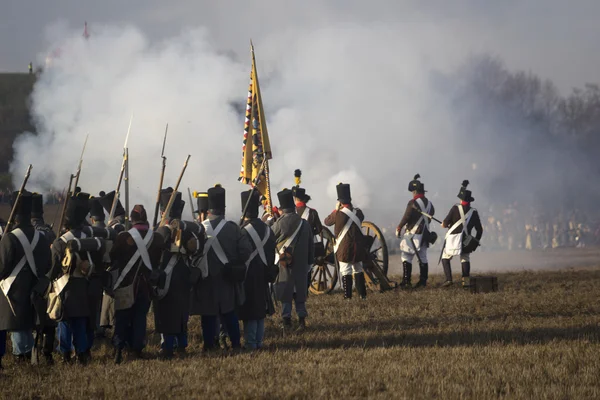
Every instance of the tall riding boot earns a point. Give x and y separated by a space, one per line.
361 286
423 275
347 284
407 269
447 272
466 273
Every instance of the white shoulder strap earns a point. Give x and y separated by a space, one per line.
212 241
143 244
352 218
136 256
427 210
306 213
258 243
28 258
169 273
464 220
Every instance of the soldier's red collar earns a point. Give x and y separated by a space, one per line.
300 204
418 196
464 203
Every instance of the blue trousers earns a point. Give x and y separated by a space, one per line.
179 340
22 342
130 325
2 343
209 327
73 333
286 311
254 332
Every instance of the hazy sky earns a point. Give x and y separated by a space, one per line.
554 38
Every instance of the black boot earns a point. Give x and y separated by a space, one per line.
447 272
287 322
407 272
82 358
118 356
347 284
301 324
423 275
466 273
67 357
48 358
361 286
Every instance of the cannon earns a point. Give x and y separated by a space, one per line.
325 271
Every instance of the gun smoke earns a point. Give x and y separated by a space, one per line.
359 100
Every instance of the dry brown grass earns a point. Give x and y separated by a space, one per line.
538 337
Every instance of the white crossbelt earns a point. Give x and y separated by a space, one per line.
426 210
258 243
28 258
305 216
464 220
352 218
212 242
288 242
141 252
169 273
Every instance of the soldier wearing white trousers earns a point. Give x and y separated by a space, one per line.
460 221
417 235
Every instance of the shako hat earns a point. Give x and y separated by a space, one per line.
96 209
107 199
343 193
37 206
77 209
216 197
253 203
23 209
286 199
464 194
178 204
201 201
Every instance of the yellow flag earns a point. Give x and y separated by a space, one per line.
256 148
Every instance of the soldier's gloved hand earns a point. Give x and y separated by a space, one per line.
157 278
41 287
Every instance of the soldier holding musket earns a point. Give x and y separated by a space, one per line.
135 256
225 252
460 221
24 260
418 236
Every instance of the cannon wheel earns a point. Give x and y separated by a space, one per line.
378 253
324 274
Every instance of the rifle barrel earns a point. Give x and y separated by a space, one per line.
172 199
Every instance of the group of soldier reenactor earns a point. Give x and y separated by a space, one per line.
99 275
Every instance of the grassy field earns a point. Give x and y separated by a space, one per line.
538 337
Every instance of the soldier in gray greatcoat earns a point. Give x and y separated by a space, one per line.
215 294
295 248
20 271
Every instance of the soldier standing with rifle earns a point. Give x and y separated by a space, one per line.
24 259
295 251
183 240
253 311
225 251
70 283
135 256
460 221
417 237
350 248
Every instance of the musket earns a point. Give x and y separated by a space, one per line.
113 207
162 177
80 161
167 211
126 178
427 215
14 207
192 204
64 207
